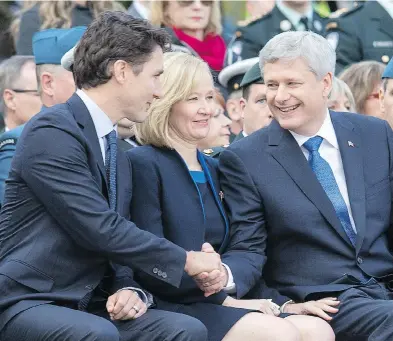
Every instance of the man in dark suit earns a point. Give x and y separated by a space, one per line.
62 223
316 194
363 33
252 35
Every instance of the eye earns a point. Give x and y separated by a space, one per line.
262 101
193 98
272 86
210 97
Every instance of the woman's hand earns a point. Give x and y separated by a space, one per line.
318 308
264 306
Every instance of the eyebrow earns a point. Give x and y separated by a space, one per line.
159 72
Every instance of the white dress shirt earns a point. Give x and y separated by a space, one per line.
294 16
101 121
104 126
330 151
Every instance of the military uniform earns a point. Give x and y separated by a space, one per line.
252 35
8 142
363 33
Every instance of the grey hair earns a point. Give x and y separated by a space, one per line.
340 88
10 71
315 50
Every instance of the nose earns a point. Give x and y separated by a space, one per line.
157 94
226 121
196 5
282 94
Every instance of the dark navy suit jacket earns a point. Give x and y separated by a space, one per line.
166 203
279 210
57 233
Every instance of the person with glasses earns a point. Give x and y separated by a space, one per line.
19 101
54 83
68 245
195 27
364 79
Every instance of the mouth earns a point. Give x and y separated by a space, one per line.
196 18
202 123
288 110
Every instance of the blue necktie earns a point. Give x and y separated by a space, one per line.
325 176
110 167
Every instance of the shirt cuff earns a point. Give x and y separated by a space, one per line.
146 297
230 288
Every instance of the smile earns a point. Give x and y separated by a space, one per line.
289 109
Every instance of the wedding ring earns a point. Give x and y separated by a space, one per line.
135 308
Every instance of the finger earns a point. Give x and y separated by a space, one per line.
110 303
142 310
331 303
213 288
206 247
319 312
214 277
201 277
122 299
329 298
127 312
329 309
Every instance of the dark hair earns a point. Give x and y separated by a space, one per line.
246 91
114 36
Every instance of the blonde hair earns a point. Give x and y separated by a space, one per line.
340 88
57 14
362 78
182 73
158 16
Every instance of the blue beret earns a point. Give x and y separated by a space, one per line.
49 46
388 73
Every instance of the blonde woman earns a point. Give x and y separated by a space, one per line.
341 98
40 15
364 79
195 27
176 196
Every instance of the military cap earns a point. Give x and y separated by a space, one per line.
68 59
50 45
231 76
252 76
388 72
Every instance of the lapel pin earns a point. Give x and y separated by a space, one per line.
350 144
221 195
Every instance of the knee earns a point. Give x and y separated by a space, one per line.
104 331
286 331
319 329
192 330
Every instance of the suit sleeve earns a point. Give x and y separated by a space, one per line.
6 155
146 205
54 165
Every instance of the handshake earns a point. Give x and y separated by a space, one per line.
206 269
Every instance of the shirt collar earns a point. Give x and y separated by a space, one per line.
294 16
101 121
326 131
387 5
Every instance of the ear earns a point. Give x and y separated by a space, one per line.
327 84
243 104
121 71
9 99
381 100
47 83
233 109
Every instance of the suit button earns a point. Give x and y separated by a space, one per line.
88 287
159 273
164 275
155 270
360 260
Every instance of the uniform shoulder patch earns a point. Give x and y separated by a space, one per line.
331 25
344 12
7 142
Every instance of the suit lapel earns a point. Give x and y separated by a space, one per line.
284 148
351 155
82 116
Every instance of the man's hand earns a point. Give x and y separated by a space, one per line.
198 262
317 308
211 282
264 306
125 305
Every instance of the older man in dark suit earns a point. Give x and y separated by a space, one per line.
316 189
62 224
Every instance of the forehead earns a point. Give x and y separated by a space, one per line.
202 82
156 60
286 69
258 89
